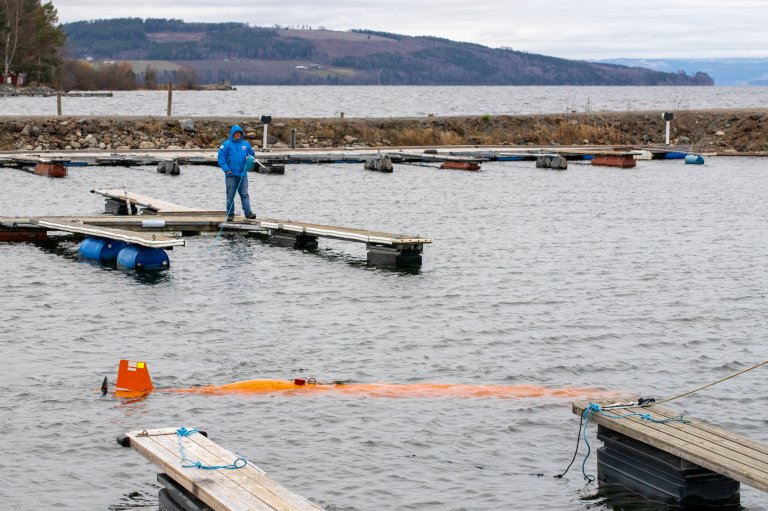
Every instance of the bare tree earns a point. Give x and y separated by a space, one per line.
10 16
186 77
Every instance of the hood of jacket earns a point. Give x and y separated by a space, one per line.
234 130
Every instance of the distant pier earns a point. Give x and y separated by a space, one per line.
280 157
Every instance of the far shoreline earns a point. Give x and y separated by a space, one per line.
741 130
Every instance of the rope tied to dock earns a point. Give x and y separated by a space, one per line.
714 382
240 462
586 416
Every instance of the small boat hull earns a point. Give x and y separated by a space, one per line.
624 161
51 169
460 165
694 159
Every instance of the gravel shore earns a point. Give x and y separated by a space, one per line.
737 131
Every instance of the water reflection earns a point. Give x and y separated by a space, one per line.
67 246
618 498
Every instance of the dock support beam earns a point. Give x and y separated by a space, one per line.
662 477
292 240
118 207
22 234
398 256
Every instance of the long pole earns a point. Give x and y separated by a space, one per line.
667 132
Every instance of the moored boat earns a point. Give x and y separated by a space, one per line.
624 161
51 168
460 165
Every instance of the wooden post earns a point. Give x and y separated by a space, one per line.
293 138
170 98
58 70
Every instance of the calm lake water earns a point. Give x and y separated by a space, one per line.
377 101
648 281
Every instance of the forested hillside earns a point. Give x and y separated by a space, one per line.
260 55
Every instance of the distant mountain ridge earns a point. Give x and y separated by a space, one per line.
280 56
724 71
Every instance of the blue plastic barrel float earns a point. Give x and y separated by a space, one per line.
100 249
136 257
694 159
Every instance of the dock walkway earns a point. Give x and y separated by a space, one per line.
696 441
282 156
162 224
76 225
244 489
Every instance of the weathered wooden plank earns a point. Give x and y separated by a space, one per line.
259 477
143 239
250 478
341 233
722 451
245 488
158 205
683 442
714 434
235 491
208 486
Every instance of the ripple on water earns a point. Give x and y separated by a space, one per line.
647 281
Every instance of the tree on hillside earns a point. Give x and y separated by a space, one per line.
10 21
150 77
30 37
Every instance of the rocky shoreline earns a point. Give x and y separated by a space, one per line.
729 131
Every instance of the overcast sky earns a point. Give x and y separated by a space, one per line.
561 28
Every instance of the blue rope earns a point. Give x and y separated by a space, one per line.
595 408
240 462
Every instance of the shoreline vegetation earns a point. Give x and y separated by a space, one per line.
736 131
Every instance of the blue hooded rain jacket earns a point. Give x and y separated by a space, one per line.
232 153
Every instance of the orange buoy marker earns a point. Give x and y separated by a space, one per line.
133 380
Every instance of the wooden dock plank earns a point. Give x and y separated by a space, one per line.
224 490
341 233
138 238
686 441
707 428
172 222
206 485
235 486
199 448
158 205
721 450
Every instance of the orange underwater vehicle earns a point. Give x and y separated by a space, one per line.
133 380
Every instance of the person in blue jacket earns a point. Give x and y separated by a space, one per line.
232 154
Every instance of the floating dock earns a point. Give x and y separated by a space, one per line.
277 158
159 224
191 483
692 464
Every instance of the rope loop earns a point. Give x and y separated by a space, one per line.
239 462
595 408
